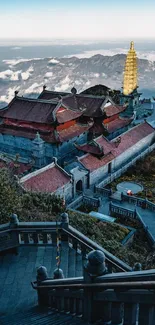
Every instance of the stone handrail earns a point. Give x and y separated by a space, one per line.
144 203
115 209
86 245
39 233
102 190
121 298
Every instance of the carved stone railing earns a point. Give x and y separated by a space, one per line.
45 233
83 199
143 203
118 298
102 191
118 210
115 210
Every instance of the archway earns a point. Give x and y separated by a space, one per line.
79 186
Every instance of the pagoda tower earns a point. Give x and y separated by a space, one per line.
130 96
130 71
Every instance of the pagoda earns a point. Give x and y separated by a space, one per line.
130 95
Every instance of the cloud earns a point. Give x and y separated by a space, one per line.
10 94
54 61
48 74
96 75
34 88
64 85
17 61
10 75
26 75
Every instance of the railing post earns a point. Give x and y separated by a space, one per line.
95 267
64 224
14 222
42 275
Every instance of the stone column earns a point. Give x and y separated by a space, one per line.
42 275
94 267
64 225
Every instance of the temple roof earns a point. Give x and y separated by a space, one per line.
64 115
48 94
19 168
113 109
30 110
117 124
115 147
88 105
47 179
92 163
72 132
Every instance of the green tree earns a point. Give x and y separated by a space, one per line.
10 201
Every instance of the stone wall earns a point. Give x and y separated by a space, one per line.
97 175
66 191
132 152
24 147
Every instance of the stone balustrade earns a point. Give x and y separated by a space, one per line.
117 298
12 235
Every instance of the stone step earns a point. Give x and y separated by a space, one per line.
37 317
17 272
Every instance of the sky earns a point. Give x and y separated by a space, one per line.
81 19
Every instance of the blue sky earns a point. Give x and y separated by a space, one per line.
97 19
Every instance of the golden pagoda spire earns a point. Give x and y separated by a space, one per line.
130 71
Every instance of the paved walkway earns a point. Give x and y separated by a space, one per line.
147 216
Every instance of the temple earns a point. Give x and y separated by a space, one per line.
74 145
40 129
61 126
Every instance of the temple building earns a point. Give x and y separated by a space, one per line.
102 158
40 129
57 123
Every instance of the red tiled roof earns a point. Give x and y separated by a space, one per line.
21 168
90 148
66 115
131 137
47 179
113 149
113 109
91 162
72 131
117 124
105 144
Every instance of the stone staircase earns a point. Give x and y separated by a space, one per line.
36 316
17 272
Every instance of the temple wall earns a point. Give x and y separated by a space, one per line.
97 175
132 152
24 147
65 191
16 145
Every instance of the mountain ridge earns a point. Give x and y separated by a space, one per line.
61 74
